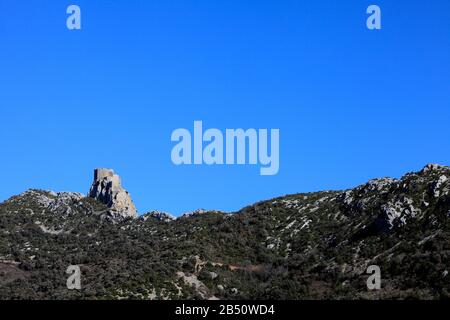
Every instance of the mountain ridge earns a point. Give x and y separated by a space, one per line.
302 246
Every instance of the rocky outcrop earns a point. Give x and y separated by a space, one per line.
107 188
159 216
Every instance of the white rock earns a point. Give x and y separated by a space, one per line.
107 189
439 183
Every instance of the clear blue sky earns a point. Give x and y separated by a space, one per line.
351 104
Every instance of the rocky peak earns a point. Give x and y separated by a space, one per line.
194 213
159 216
433 168
107 188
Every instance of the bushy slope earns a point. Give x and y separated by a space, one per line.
305 246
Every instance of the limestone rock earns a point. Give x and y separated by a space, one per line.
432 167
107 188
159 216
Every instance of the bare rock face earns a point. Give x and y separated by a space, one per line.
158 216
107 189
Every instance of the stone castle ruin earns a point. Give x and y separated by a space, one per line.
107 188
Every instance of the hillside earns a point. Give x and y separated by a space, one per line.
303 246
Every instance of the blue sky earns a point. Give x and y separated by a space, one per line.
351 104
